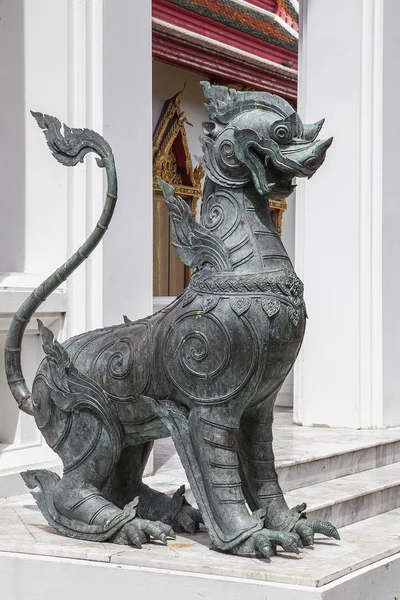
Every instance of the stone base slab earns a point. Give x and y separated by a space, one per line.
46 578
35 561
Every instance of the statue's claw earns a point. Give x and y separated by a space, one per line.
140 531
263 543
305 531
306 528
324 527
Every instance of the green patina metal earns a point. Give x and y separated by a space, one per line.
206 370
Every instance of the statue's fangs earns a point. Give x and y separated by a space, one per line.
206 370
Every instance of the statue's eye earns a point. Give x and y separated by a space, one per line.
311 163
281 133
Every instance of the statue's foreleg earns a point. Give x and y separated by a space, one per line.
126 483
261 481
206 439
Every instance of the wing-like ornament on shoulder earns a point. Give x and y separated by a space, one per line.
194 245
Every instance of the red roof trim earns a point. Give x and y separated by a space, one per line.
199 43
210 61
164 10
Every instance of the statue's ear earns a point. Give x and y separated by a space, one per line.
209 129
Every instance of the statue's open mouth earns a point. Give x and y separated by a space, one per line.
280 183
269 179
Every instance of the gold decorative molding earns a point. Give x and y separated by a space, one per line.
277 208
171 156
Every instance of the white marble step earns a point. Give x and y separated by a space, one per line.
309 455
304 455
341 500
302 472
352 498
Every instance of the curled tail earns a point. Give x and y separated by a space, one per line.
69 147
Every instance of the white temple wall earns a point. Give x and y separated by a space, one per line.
12 148
391 213
46 90
128 245
347 243
33 235
327 217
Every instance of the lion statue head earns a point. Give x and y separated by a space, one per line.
258 137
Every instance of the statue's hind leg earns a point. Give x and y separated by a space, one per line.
79 423
75 505
125 483
261 481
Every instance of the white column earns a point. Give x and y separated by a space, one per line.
347 215
85 182
33 66
128 246
391 213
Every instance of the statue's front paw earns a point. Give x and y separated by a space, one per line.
142 531
263 543
296 521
